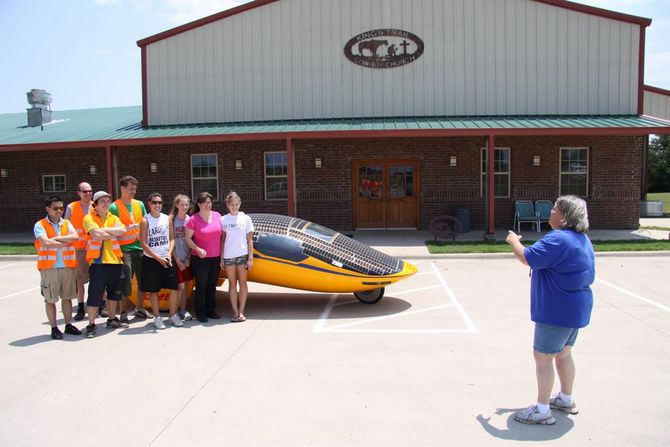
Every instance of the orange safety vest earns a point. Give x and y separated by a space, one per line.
77 221
46 256
93 247
133 235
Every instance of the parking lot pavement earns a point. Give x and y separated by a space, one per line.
443 359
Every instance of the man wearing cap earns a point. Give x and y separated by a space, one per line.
131 212
106 259
56 262
75 213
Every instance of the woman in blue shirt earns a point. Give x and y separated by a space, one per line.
563 269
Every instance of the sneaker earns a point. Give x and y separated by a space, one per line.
122 324
557 403
80 314
56 334
90 331
72 330
176 321
140 312
113 323
103 313
124 318
158 323
531 415
186 316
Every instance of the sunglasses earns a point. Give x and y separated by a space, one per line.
154 202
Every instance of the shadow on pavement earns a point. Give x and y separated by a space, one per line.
516 431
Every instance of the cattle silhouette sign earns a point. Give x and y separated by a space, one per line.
383 48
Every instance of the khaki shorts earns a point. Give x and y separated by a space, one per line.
58 283
82 268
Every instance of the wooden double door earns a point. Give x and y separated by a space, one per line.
386 193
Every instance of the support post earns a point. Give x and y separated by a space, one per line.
290 177
490 231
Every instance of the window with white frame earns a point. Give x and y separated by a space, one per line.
574 176
204 175
276 176
53 183
501 171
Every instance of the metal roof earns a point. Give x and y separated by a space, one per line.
121 126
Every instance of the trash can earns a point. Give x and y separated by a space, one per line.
463 215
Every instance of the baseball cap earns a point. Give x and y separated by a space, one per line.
101 194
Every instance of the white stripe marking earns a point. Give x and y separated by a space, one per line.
635 295
468 322
386 317
6 265
19 293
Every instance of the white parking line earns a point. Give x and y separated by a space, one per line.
321 327
6 265
635 295
19 293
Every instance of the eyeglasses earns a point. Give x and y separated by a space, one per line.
58 208
154 202
86 192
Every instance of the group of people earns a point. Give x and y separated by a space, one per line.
106 243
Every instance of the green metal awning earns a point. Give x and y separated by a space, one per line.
122 126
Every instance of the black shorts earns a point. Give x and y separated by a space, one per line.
104 277
156 277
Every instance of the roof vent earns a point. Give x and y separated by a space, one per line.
40 112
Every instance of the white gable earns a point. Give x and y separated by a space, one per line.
286 60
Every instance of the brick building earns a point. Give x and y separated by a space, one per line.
357 116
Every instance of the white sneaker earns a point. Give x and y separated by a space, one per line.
176 321
187 316
158 323
532 415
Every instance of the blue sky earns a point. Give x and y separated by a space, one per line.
84 52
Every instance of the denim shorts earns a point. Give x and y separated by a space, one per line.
240 260
550 339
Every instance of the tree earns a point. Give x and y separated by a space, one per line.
659 164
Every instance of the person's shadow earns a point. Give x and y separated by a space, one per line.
524 432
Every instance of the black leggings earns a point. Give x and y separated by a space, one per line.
206 273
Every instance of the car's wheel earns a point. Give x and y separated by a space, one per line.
370 296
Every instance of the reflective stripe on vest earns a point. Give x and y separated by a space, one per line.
77 220
93 247
133 235
47 256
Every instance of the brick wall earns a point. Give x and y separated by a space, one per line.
325 195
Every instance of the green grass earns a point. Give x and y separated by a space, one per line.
663 197
17 248
653 227
503 247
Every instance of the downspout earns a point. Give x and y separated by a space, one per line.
290 177
490 232
645 167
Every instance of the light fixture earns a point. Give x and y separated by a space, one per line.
536 160
3 173
452 160
154 167
238 164
92 169
317 162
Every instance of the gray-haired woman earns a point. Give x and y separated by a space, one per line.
563 269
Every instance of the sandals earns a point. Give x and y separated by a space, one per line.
238 319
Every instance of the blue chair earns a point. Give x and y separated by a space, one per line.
524 212
542 211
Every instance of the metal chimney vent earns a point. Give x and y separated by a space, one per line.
40 112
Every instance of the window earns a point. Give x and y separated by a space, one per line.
574 171
276 176
53 183
204 175
501 172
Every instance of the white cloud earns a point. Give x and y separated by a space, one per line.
184 11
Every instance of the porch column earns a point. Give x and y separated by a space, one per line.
290 177
110 175
490 231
